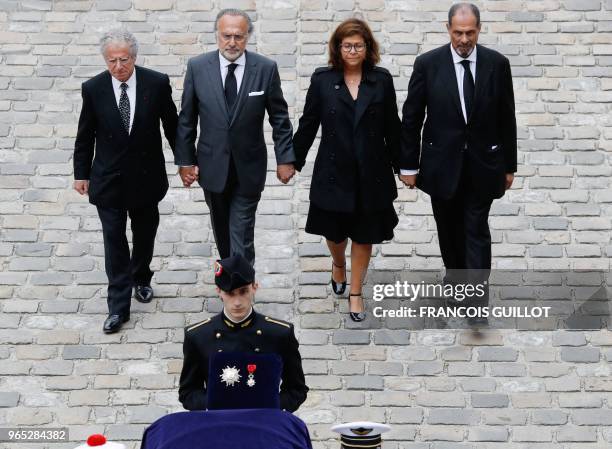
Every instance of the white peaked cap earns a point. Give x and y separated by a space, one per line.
358 428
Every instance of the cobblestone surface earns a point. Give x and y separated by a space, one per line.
438 389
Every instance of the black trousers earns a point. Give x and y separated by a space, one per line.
123 271
463 234
232 216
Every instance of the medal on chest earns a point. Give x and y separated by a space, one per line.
251 377
230 376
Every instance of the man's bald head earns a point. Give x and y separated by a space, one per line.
463 9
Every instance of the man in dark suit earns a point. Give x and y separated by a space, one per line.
239 329
466 155
119 163
230 90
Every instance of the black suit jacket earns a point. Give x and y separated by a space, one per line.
490 133
240 134
125 170
360 141
260 334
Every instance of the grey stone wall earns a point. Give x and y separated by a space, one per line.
438 389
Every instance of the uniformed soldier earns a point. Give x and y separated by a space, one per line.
239 329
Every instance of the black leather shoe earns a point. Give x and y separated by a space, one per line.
114 322
143 293
338 287
356 316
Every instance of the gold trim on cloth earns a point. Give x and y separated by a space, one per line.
277 322
198 324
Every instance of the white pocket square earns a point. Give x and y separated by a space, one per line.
255 94
494 147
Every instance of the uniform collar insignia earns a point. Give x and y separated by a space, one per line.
246 323
242 324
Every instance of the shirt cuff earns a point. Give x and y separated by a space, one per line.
186 166
81 180
408 172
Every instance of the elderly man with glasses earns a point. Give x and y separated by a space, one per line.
119 163
229 90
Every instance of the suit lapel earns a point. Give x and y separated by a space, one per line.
110 106
214 75
366 89
250 72
142 100
450 79
483 75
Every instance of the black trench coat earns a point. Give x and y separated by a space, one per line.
360 141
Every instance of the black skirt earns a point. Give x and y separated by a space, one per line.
359 226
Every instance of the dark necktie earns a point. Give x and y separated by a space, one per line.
124 107
468 87
231 87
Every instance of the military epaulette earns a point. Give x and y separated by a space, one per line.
277 322
198 324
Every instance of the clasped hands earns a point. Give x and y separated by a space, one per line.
284 173
189 174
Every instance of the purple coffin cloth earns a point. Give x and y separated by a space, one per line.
227 429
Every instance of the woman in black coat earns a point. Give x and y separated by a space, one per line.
353 185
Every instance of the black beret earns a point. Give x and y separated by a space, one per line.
233 272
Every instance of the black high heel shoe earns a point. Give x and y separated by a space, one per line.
356 316
338 287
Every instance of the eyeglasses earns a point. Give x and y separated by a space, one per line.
238 38
359 47
121 61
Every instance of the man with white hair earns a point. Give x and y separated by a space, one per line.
119 163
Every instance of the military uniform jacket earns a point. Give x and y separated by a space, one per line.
258 333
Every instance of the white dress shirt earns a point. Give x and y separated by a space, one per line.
130 91
459 70
238 71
